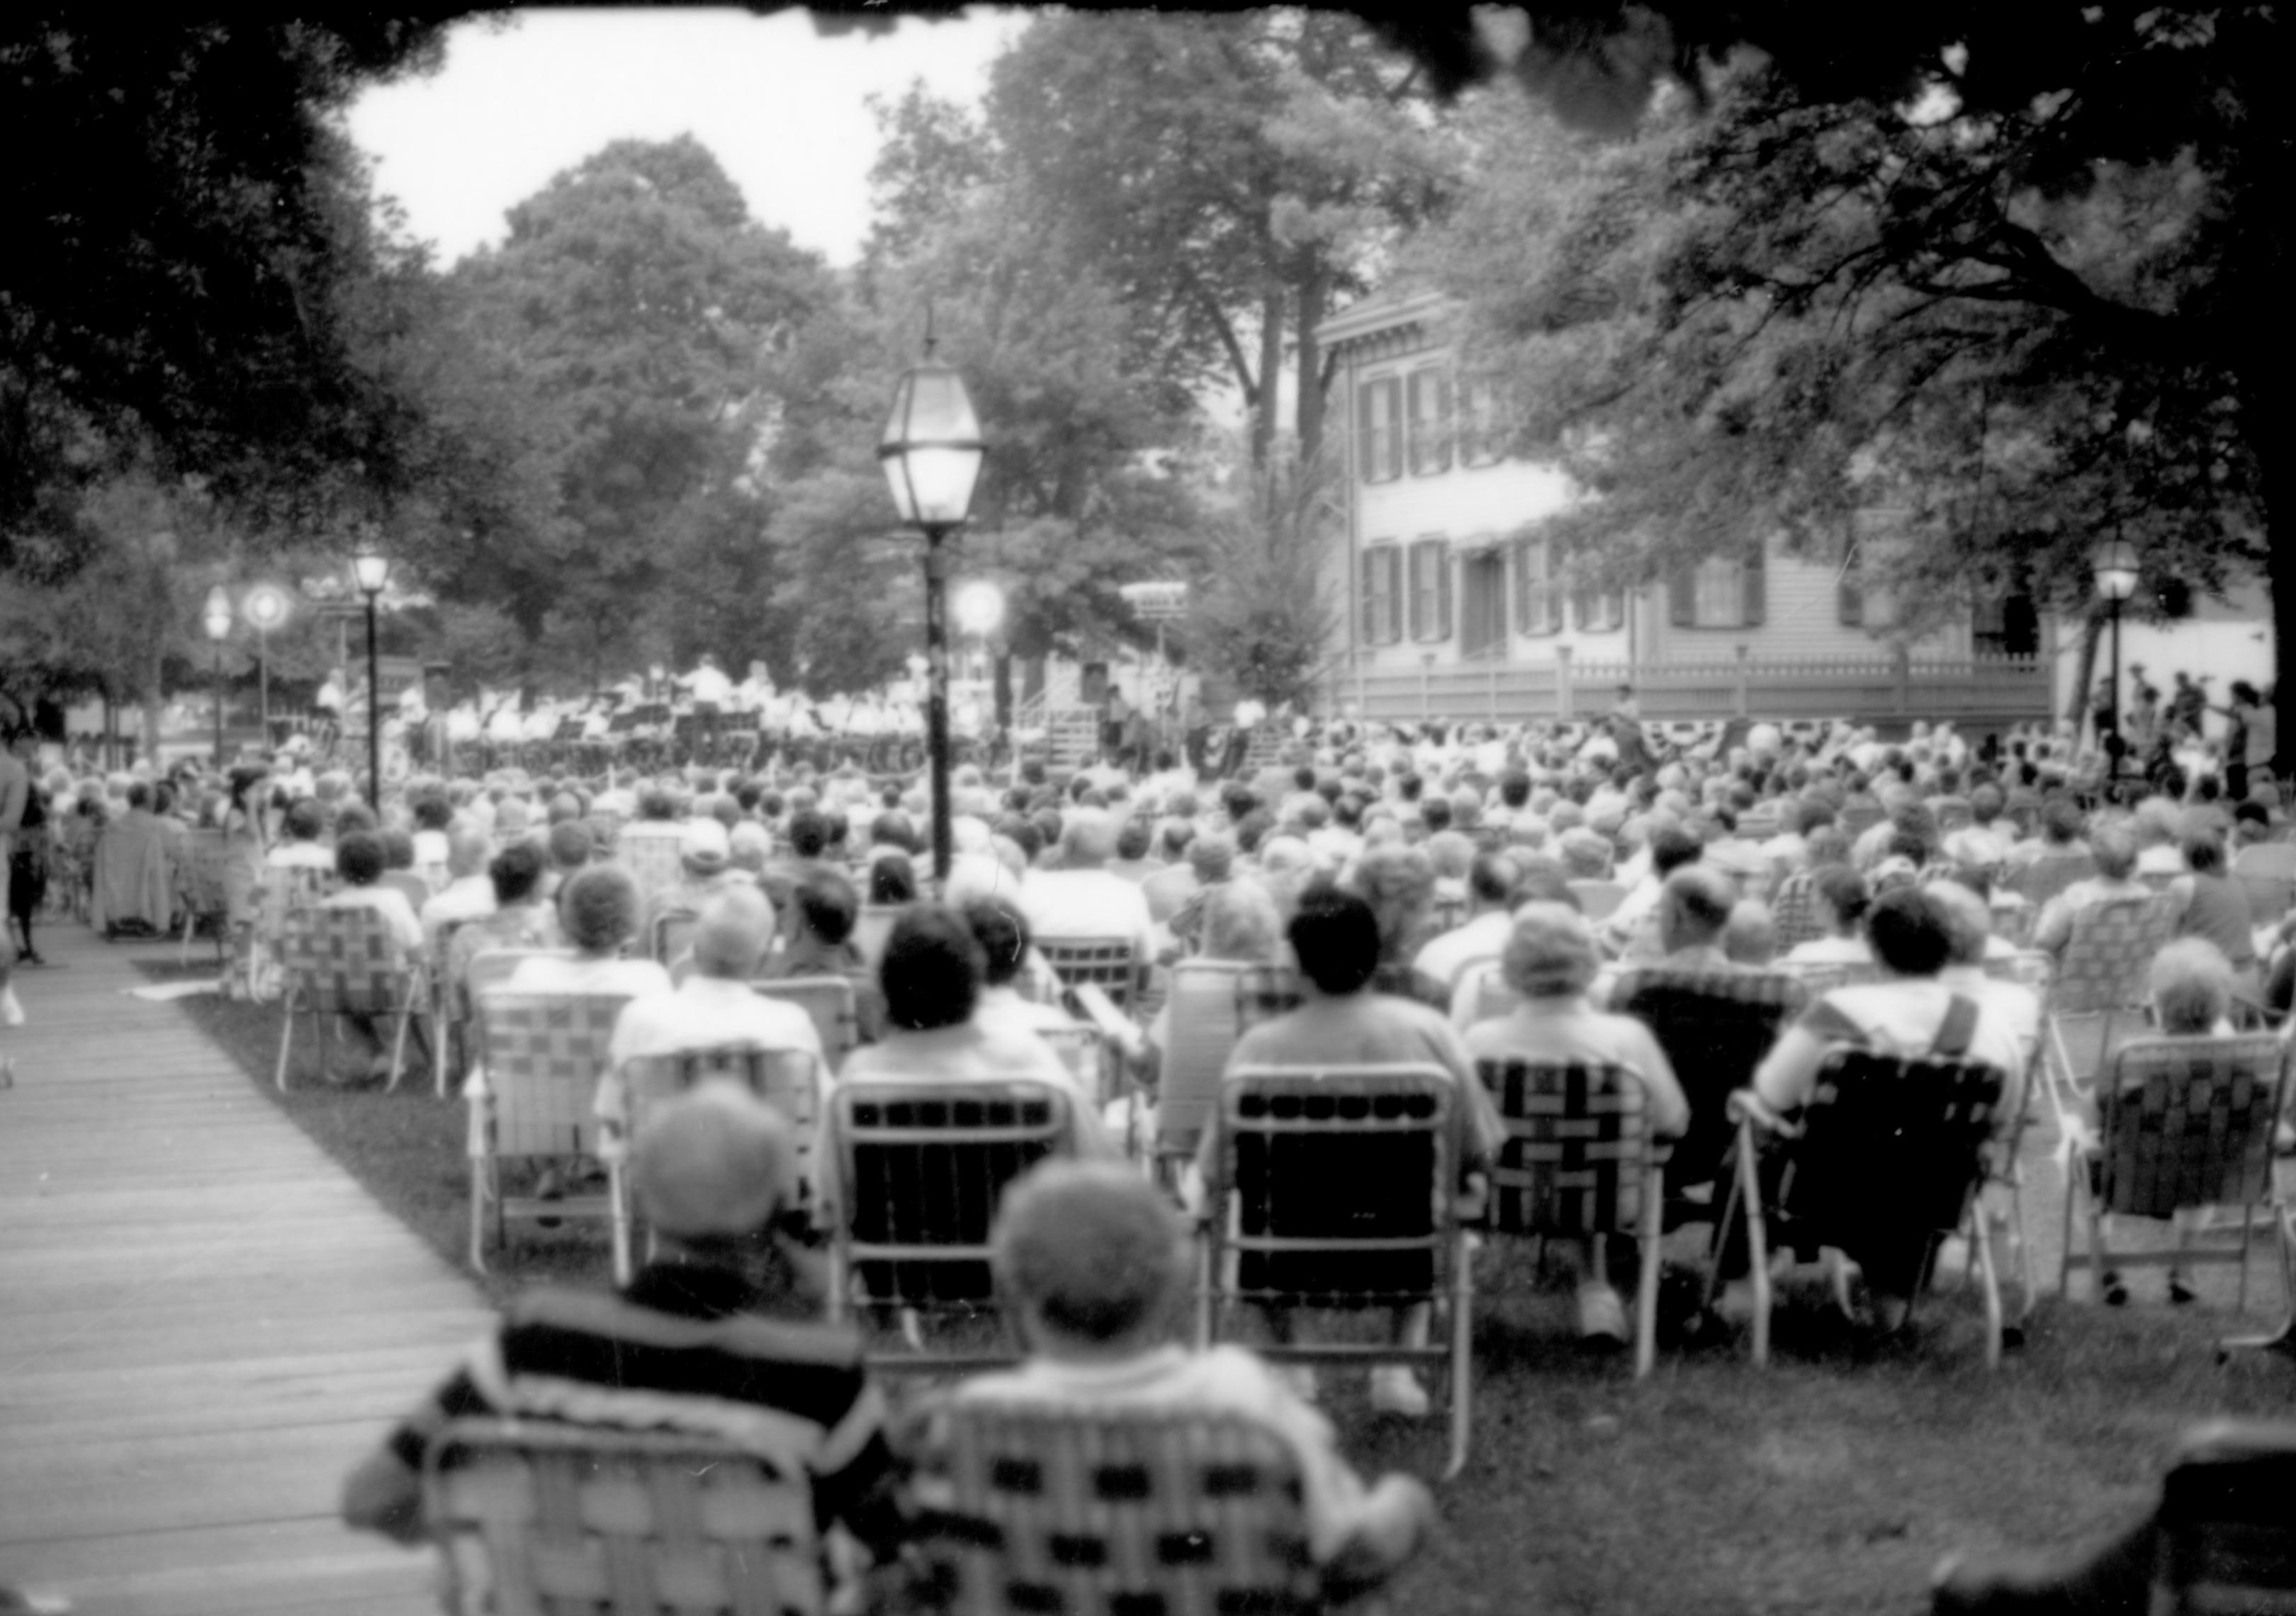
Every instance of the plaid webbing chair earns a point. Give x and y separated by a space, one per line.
649 852
789 1081
829 1000
201 857
2182 1124
474 971
919 1169
1263 993
1074 1512
543 1052
346 962
1107 963
1793 910
1580 1162
2101 979
2049 874
283 890
1715 1026
1888 1158
534 1518
1338 1188
1204 1022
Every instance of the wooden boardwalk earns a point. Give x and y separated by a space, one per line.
203 1321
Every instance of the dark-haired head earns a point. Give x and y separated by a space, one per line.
931 971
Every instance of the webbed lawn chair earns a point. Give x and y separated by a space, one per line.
2182 1124
2101 983
1715 1027
536 1518
1580 1162
650 852
1793 910
830 1001
1887 1150
918 1170
2051 874
1072 1511
1107 963
787 1080
1338 1188
281 892
347 962
544 1054
1264 992
1204 1024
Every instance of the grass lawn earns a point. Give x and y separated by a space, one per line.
1832 1483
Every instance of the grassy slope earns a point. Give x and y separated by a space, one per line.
1831 1483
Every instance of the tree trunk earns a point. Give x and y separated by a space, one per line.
1271 369
1314 295
2084 674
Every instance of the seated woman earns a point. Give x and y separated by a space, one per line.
1908 1013
1838 900
1090 1263
359 862
2216 909
1398 884
597 915
1550 960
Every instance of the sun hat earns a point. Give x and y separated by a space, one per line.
705 848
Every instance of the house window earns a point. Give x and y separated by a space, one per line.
1383 616
1718 594
1431 420
1379 430
1482 601
1431 590
1598 610
1538 596
1482 435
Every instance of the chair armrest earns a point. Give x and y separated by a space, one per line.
1747 1106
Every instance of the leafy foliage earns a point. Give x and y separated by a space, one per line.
1265 608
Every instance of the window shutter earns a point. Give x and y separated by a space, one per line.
1750 579
1682 597
1440 555
1849 598
1370 628
1439 449
1379 420
1390 593
1365 447
1390 393
1554 591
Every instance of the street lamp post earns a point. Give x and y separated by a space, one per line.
371 570
2114 566
216 620
931 452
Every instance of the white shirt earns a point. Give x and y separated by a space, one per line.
1483 937
703 1012
465 898
1088 903
711 685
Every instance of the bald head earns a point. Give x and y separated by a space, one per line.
733 933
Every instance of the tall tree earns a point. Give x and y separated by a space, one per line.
1774 314
640 310
1230 178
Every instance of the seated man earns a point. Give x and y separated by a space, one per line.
713 1008
1090 1261
2113 847
718 1336
135 876
469 891
1693 912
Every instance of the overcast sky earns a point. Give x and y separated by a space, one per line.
780 105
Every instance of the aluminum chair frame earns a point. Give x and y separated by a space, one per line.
545 1052
1389 1110
921 1166
316 956
831 1002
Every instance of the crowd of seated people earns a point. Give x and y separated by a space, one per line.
1386 873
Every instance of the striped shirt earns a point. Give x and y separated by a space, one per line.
688 1347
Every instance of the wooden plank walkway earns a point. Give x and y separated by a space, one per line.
203 1321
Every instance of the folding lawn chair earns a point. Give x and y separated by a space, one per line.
919 1167
1580 1162
1887 1151
1715 1027
830 1001
1107 1512
1793 910
1338 1188
533 1518
1107 963
1264 992
787 1080
2101 978
346 962
2182 1124
201 859
545 1052
1204 1025
2224 1542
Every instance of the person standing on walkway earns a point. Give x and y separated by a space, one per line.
15 796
